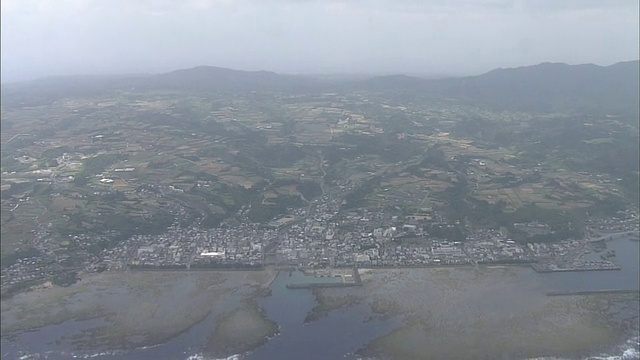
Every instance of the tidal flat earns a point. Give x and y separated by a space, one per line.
138 309
486 313
241 330
327 304
426 313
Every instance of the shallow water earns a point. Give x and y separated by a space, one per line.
626 278
338 335
502 291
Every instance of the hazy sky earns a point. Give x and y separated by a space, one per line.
56 37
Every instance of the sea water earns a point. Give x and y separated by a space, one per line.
338 335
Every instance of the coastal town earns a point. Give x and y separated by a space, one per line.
321 236
321 181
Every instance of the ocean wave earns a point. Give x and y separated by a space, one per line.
26 355
203 357
630 350
94 355
628 354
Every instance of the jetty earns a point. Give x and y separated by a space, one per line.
592 292
547 268
357 281
321 285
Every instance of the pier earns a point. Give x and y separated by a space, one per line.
357 281
613 236
320 285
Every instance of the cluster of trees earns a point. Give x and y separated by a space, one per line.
458 208
260 212
282 155
462 207
160 164
308 188
53 153
434 158
593 144
12 258
227 197
453 233
16 188
357 198
66 278
386 145
8 291
9 163
118 226
96 165
562 225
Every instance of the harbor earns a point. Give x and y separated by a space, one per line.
322 279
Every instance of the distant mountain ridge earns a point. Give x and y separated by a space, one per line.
544 87
556 86
213 78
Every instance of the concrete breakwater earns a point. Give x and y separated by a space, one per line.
591 292
419 266
273 278
159 268
320 285
614 236
357 281
546 269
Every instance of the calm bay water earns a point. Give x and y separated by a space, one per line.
337 335
626 278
